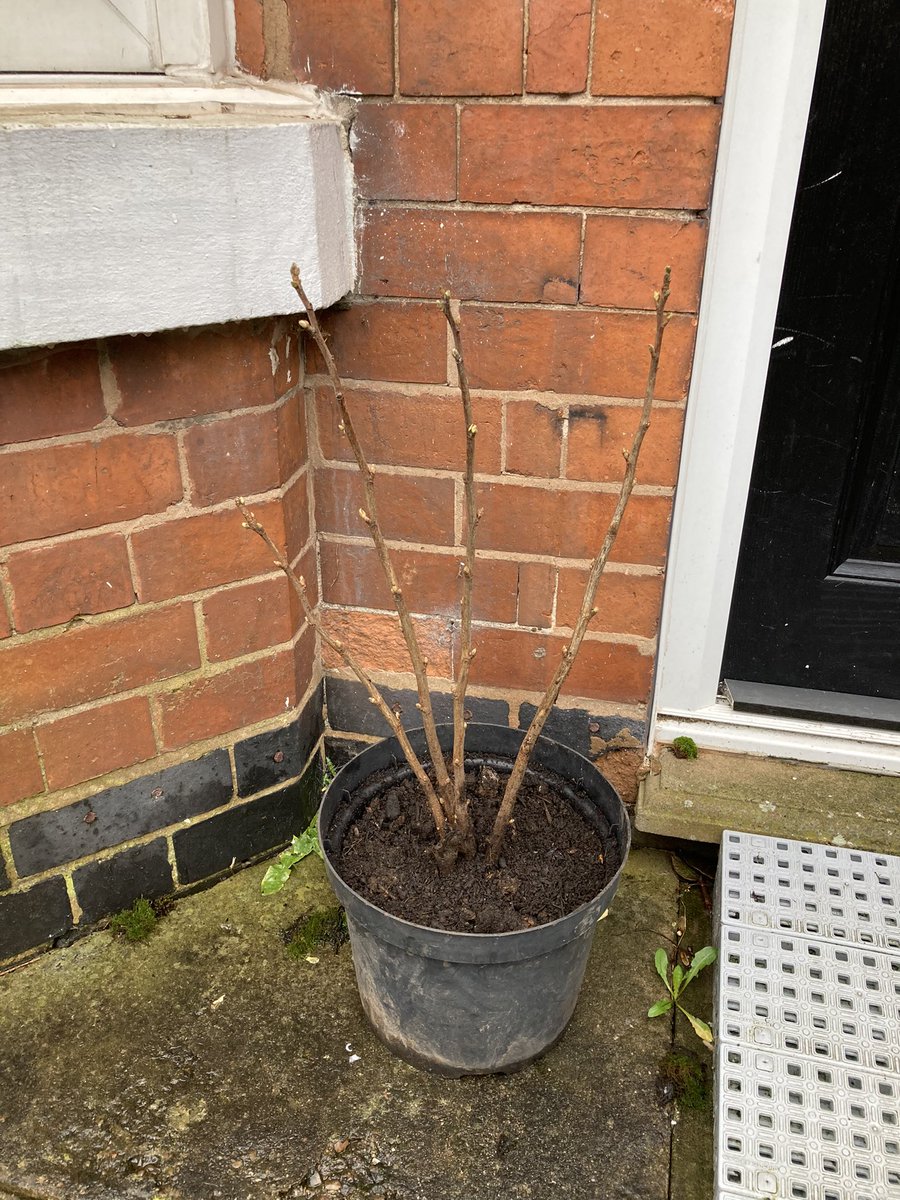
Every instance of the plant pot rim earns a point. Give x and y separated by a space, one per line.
510 935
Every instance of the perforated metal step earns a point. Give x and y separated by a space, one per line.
807 1022
821 892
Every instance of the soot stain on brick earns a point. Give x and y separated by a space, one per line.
580 412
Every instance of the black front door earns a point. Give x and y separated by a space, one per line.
817 598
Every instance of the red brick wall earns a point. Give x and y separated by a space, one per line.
139 623
544 160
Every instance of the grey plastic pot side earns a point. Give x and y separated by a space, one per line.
470 1003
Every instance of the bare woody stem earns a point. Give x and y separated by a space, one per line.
588 611
299 586
370 517
466 650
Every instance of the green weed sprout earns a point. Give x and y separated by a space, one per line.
301 847
676 988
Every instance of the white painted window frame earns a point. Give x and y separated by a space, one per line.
774 54
194 37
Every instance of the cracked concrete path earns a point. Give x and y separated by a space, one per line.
206 1063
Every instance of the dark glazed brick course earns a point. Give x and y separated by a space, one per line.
29 918
574 727
569 726
610 727
350 711
247 830
257 762
50 838
4 878
339 751
106 887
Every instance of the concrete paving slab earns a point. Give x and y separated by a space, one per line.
207 1063
695 799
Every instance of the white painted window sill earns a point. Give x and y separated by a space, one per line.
132 204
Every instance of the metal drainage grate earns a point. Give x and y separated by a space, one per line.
807 1022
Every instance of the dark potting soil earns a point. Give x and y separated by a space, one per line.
552 859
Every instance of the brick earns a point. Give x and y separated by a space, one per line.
405 151
533 439
5 624
624 260
343 45
412 508
192 372
20 771
55 394
191 554
272 757
306 661
406 343
634 156
92 743
216 704
568 726
661 47
4 877
341 750
293 451
609 727
307 567
383 421
602 671
58 489
627 604
571 524
559 34
34 918
446 53
115 883
247 830
579 352
598 435
536 585
474 255
284 353
250 46
297 516
93 661
352 576
576 727
52 585
119 814
376 641
242 620
234 457
349 708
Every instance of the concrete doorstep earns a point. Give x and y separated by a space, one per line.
206 1062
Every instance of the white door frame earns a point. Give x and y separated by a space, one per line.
774 53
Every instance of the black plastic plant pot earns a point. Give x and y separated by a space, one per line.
471 1003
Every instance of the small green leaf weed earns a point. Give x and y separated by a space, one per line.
685 747
677 985
301 847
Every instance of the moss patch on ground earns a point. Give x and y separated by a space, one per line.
319 928
135 923
685 1077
